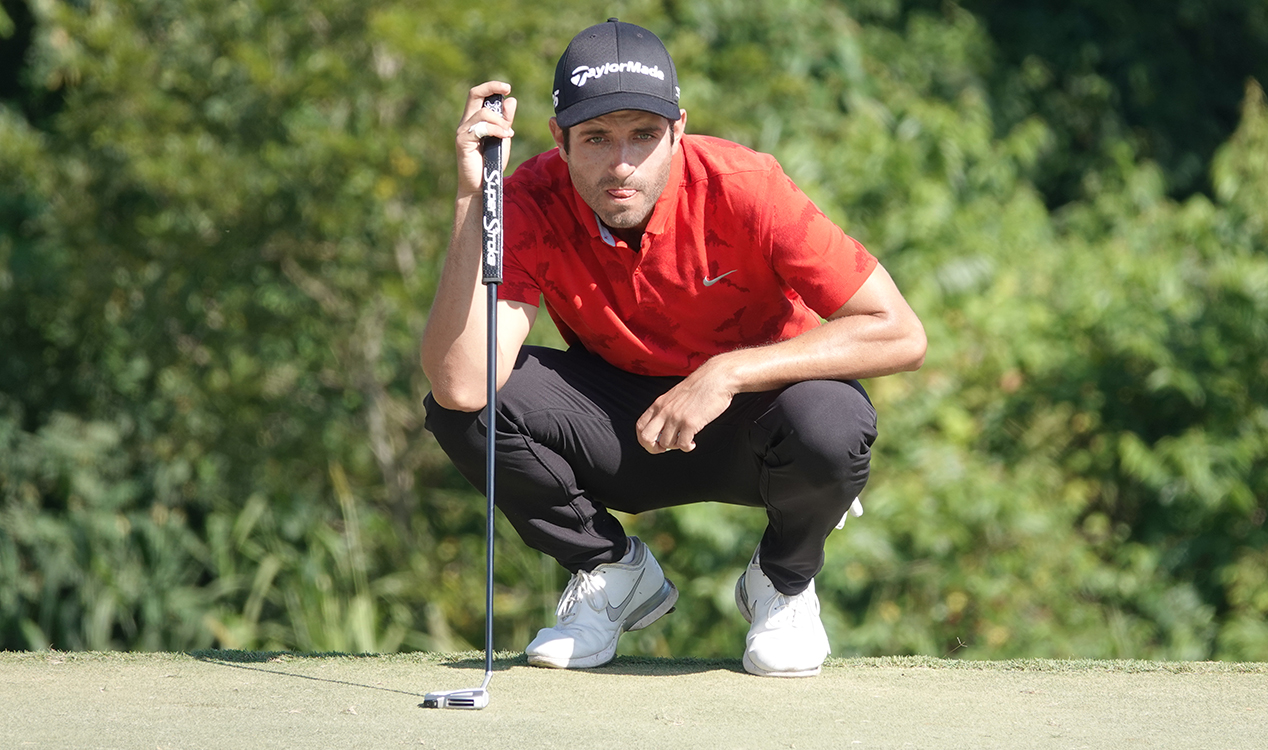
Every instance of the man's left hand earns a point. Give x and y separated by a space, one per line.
671 423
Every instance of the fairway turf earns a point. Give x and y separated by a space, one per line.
220 699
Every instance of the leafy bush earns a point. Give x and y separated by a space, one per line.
220 226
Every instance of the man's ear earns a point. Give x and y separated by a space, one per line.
680 127
557 133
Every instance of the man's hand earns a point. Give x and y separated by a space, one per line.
478 122
671 423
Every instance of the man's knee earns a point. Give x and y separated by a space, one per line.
462 434
459 433
828 427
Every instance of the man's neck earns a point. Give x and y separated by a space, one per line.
632 237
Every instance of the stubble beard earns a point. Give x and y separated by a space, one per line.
631 216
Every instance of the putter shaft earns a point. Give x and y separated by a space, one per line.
477 698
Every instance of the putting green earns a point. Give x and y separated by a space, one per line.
217 699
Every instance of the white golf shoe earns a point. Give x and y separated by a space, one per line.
598 606
786 638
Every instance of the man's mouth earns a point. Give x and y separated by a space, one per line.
621 194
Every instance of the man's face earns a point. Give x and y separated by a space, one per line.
620 163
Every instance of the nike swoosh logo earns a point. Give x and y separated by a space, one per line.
711 281
614 613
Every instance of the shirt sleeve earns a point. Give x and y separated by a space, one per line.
519 251
814 256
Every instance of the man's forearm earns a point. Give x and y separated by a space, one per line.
875 333
454 346
848 348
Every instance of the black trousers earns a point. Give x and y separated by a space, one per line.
567 452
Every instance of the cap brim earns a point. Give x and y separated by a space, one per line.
598 106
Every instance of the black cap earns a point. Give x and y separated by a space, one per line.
614 66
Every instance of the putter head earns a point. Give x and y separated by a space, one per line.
469 698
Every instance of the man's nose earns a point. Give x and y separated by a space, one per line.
624 160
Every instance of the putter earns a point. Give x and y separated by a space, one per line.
477 698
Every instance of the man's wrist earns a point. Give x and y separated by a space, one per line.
725 370
467 196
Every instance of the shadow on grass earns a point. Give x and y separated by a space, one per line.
644 666
272 662
652 666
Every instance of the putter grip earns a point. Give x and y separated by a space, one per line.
491 147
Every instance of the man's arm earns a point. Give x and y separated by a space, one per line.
875 333
454 348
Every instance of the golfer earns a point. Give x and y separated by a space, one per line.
717 325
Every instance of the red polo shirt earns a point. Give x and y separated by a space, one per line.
735 255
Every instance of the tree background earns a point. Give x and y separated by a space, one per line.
221 222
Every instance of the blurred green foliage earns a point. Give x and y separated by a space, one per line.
221 223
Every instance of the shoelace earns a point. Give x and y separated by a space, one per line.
584 587
787 610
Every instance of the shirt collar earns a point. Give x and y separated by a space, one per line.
604 232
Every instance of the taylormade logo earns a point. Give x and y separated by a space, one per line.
585 72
